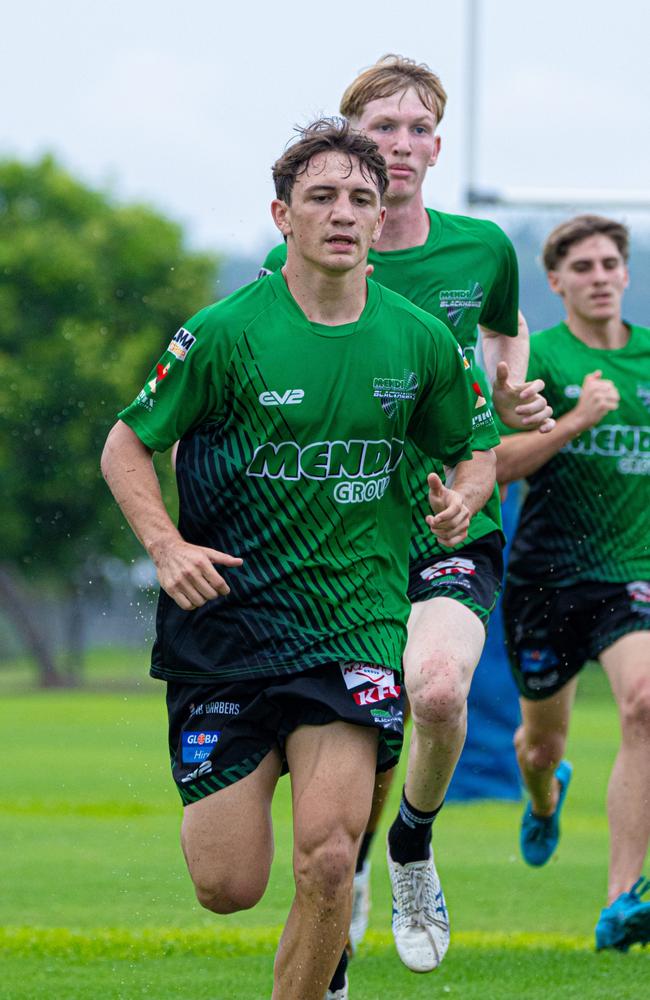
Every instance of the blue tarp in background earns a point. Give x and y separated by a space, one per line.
488 768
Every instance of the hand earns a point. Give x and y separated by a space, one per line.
452 517
521 406
186 572
598 396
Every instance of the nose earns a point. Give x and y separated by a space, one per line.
402 142
342 212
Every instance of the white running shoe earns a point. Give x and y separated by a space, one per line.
360 907
420 921
341 994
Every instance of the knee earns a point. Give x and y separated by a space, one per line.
325 868
438 696
228 895
540 752
635 709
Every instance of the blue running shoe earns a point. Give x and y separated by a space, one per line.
626 921
540 834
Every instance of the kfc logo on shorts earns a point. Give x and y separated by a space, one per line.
355 674
449 567
370 696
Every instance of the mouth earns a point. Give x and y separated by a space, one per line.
340 241
400 170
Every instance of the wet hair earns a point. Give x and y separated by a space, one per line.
390 75
324 136
563 237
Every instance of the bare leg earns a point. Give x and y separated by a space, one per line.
332 769
540 742
227 840
627 664
445 643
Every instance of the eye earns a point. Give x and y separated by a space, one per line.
421 130
385 127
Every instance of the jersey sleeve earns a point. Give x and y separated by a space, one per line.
441 425
183 388
501 307
484 430
275 259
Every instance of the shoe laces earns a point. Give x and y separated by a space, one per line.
423 906
640 888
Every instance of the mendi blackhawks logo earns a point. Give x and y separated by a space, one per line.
391 390
643 392
456 300
389 718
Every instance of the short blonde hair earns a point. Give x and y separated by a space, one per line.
388 76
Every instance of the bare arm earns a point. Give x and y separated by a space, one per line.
519 404
186 572
468 488
520 455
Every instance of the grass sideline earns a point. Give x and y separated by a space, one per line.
96 900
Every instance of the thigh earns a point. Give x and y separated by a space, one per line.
229 833
332 771
443 636
627 664
550 715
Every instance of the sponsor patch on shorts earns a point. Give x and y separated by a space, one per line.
535 661
355 674
196 746
455 566
372 695
639 591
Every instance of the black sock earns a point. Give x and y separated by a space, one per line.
338 979
366 841
409 838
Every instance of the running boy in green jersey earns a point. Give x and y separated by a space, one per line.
578 585
464 272
282 614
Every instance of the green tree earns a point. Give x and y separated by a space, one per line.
91 292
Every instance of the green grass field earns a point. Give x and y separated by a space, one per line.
96 901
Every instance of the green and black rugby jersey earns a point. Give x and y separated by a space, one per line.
464 274
291 447
587 512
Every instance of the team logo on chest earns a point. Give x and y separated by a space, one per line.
455 301
643 392
390 391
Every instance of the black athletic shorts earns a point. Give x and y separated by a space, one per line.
473 577
220 733
551 632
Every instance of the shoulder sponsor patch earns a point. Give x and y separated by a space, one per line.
181 343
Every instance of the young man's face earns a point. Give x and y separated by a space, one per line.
404 129
335 213
591 279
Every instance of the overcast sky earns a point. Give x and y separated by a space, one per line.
185 106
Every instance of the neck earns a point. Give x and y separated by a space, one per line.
328 297
406 225
608 334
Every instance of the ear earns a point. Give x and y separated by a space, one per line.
281 216
554 281
437 143
627 277
379 225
